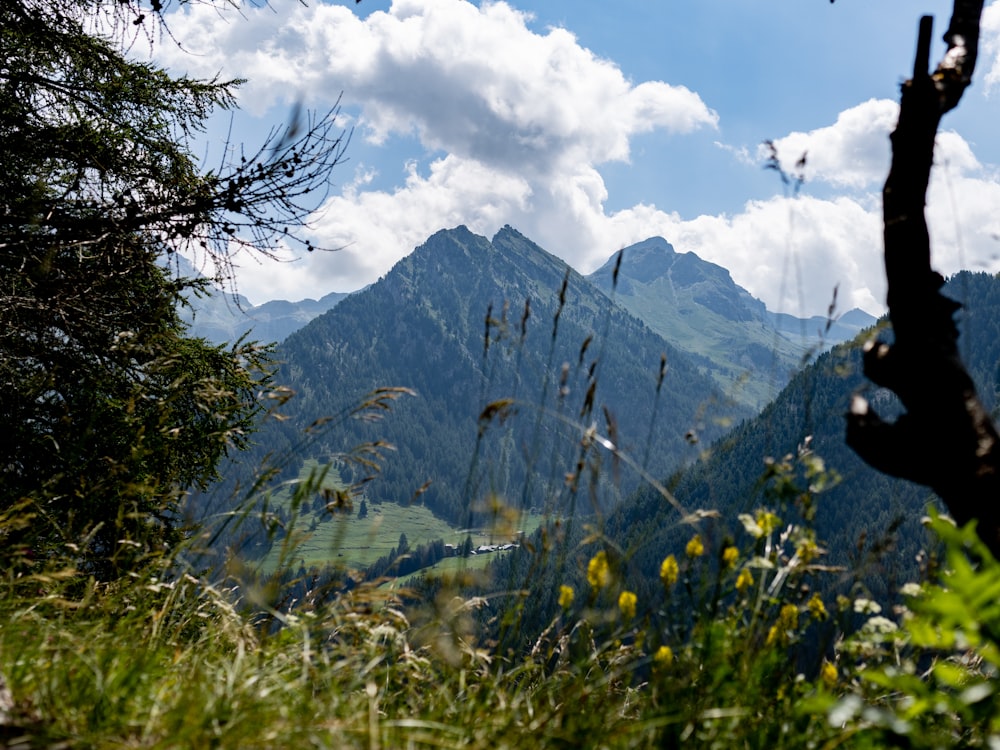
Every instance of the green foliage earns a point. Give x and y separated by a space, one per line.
110 411
929 679
735 649
423 326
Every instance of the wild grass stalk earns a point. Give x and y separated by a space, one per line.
733 642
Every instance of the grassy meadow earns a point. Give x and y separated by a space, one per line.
736 640
728 658
320 538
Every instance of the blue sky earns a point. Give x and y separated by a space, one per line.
590 125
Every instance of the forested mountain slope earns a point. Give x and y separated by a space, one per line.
864 504
564 366
696 305
868 521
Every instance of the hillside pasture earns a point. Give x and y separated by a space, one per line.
318 538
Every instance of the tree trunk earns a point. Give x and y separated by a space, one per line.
945 439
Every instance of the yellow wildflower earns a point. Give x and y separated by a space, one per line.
663 657
626 603
669 571
730 556
789 616
816 607
772 635
566 595
744 580
828 673
807 550
767 521
785 625
695 547
598 571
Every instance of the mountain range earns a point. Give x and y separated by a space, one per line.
750 352
499 328
220 316
517 363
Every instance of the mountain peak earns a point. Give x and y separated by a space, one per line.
443 248
651 246
507 232
422 326
648 260
459 235
643 262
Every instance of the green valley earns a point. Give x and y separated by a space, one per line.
354 538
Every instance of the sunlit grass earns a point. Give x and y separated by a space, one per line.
345 539
737 648
735 642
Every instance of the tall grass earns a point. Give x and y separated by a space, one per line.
728 658
738 645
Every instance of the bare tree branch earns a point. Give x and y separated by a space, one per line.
945 440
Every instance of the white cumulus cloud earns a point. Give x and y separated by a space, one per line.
523 118
853 152
517 123
473 81
990 44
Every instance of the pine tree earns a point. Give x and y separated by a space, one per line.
110 412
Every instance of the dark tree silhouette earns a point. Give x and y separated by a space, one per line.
110 411
945 439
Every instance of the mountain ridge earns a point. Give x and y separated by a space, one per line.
222 317
751 352
499 328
